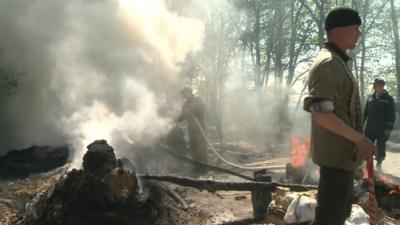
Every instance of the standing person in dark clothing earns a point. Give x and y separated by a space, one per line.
336 133
193 113
379 115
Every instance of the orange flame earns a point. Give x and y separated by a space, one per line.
300 151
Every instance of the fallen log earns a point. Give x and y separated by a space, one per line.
213 185
208 166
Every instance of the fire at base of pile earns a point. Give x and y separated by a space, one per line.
103 193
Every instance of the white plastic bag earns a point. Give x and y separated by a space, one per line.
358 216
300 210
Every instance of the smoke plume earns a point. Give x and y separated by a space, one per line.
93 69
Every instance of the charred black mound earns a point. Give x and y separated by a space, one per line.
301 175
84 199
22 163
387 196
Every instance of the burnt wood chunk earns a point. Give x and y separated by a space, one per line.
260 199
100 159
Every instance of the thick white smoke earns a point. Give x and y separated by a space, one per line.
93 69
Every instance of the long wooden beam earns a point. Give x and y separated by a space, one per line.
213 185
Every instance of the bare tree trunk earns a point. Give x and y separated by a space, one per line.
242 68
320 21
268 53
257 47
220 81
292 44
363 50
396 45
212 77
318 17
292 66
279 48
354 4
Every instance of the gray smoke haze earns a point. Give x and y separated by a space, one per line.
93 69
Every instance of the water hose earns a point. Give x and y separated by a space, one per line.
221 157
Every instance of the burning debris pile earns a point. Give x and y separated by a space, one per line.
301 170
387 192
102 193
106 191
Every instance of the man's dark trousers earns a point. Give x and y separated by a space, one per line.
381 140
335 196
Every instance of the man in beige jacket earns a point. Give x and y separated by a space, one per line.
338 145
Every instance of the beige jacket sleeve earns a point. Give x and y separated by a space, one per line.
324 84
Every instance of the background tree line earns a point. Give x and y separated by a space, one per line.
264 47
253 65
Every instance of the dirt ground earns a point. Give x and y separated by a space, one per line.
226 207
235 207
223 208
391 164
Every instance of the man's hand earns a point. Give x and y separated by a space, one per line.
332 123
387 132
366 148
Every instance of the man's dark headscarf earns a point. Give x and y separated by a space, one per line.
342 17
